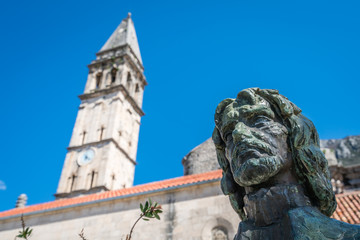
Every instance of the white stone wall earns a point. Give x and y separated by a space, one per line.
118 165
108 161
121 123
190 213
330 156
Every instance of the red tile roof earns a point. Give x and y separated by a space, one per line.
154 186
348 209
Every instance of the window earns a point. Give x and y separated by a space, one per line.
219 233
101 132
91 182
92 179
98 80
83 136
137 92
113 75
72 180
128 80
112 181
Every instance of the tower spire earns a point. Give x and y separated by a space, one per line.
123 35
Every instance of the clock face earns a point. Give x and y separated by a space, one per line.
85 157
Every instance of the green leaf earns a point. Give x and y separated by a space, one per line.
150 202
145 219
146 206
157 216
141 208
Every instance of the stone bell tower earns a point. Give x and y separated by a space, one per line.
102 151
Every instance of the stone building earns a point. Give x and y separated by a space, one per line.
96 191
102 151
345 161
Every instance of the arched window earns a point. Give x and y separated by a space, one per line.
217 229
92 179
101 132
128 80
113 178
72 182
92 176
113 75
137 92
98 80
83 136
219 233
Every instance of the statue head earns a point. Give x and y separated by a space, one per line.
262 140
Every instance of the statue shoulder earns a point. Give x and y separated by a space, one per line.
310 223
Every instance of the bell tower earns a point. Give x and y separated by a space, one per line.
102 151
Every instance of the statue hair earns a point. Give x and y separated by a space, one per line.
310 163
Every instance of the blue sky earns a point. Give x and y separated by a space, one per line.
195 54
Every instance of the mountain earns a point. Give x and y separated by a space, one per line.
347 150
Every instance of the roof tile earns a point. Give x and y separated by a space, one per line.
168 183
348 209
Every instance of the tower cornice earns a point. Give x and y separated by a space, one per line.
114 52
117 52
113 89
80 192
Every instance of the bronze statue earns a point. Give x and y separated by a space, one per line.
274 172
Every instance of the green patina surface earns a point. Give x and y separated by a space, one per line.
262 141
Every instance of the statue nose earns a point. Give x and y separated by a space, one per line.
241 132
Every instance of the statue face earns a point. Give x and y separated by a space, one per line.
251 139
256 141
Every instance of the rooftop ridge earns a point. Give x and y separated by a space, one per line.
344 194
142 188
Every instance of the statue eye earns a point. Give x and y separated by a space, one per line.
228 137
261 121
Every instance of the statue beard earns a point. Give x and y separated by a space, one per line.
250 167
